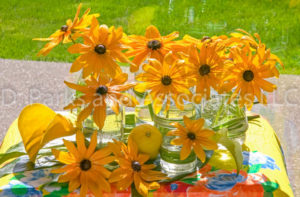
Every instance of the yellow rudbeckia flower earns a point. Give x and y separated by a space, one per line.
167 80
247 76
100 93
255 44
84 166
101 48
152 45
134 170
207 67
69 32
192 136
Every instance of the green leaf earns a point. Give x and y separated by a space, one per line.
20 164
6 156
151 111
16 148
14 151
232 146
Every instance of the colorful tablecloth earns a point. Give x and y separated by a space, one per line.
263 173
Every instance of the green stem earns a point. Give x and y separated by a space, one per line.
218 114
151 111
134 192
72 39
168 114
252 117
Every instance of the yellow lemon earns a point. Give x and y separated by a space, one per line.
148 139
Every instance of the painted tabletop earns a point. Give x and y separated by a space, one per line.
263 172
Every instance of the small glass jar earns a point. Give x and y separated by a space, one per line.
142 112
170 159
162 120
170 154
219 114
129 121
113 126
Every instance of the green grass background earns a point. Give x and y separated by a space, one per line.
277 21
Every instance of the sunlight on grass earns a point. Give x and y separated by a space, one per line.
278 22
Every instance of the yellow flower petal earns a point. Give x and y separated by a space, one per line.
72 149
140 185
185 151
152 32
100 115
63 157
80 139
208 143
92 146
73 184
118 174
84 113
199 152
78 48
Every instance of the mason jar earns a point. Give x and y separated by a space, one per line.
170 159
170 154
219 113
113 126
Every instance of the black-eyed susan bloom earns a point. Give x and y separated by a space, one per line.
192 136
246 77
152 45
69 32
98 94
101 49
207 68
134 170
84 167
165 81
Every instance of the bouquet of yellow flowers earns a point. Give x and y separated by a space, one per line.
176 84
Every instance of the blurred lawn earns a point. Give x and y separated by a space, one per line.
277 21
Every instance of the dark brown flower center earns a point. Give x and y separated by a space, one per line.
191 135
64 28
248 75
100 49
136 166
204 69
166 80
205 38
154 44
101 90
85 165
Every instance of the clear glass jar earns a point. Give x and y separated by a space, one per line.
218 114
129 121
170 154
170 159
142 112
113 126
162 120
135 116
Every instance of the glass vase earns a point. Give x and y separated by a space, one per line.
142 112
170 159
170 154
162 120
129 118
219 113
113 127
